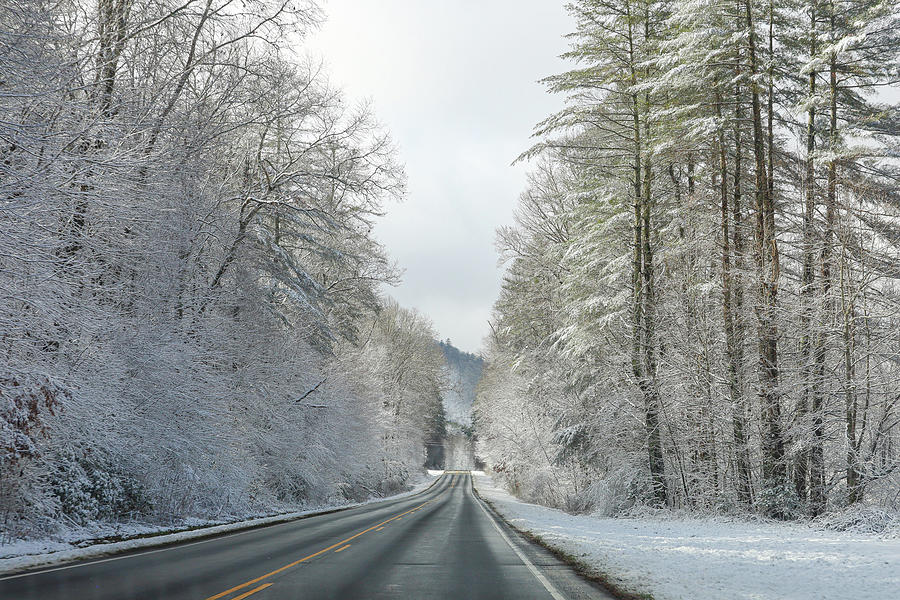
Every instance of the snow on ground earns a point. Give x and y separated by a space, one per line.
29 554
695 559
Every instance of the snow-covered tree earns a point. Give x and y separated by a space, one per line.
701 264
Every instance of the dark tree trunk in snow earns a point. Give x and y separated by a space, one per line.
768 274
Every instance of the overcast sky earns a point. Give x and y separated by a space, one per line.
455 82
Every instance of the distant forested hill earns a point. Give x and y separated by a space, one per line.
464 374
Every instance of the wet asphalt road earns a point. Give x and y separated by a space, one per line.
442 543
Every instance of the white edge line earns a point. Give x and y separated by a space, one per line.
534 570
175 545
112 558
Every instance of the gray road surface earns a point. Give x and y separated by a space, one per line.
442 543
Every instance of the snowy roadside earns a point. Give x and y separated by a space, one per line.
30 554
695 559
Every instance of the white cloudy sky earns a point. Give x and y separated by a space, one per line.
455 81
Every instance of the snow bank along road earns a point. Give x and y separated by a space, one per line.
716 559
441 543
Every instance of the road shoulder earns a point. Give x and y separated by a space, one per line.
577 580
20 563
678 556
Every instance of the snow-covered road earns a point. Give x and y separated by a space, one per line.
697 559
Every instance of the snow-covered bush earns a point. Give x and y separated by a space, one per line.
26 401
780 501
89 489
27 404
861 519
618 491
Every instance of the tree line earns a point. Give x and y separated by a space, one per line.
701 301
190 315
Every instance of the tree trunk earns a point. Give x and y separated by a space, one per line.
651 384
848 310
736 359
643 353
112 21
807 282
817 456
768 273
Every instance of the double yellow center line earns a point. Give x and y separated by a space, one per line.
305 558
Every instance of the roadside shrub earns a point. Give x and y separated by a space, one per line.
780 502
861 519
27 401
89 490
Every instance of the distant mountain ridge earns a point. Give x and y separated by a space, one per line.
464 372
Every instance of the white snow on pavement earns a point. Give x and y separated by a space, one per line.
695 559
